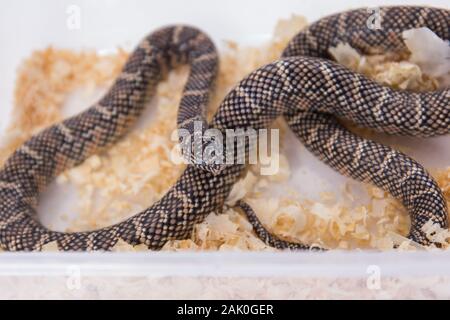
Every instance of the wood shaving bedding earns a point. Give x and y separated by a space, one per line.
137 171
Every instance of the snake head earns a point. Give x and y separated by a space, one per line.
207 158
201 146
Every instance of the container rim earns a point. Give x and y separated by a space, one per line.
227 264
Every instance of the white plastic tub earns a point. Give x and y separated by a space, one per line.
106 24
225 275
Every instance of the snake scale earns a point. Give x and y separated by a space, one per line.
304 86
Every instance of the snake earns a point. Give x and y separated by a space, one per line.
305 86
29 170
332 93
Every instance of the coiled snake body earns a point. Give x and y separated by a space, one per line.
309 91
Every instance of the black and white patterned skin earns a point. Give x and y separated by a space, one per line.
304 89
31 168
380 108
331 92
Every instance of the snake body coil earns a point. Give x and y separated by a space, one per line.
308 91
68 143
380 108
334 92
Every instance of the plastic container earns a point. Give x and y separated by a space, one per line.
231 275
106 24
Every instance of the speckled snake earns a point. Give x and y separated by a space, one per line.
307 89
